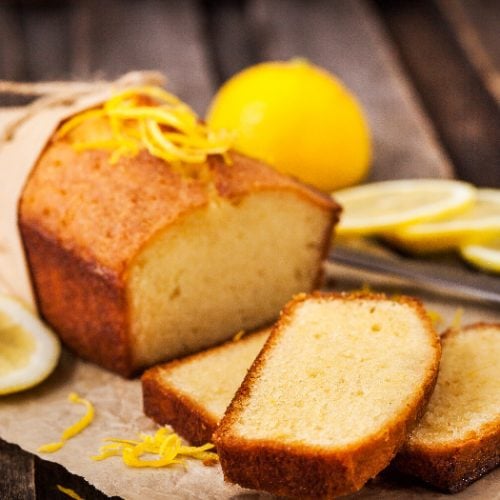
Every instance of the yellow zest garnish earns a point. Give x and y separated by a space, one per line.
152 119
51 447
68 491
456 322
79 119
74 429
165 445
436 318
238 335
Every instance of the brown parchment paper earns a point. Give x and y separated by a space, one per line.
39 415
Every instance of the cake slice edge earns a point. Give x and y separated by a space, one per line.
168 404
454 466
253 463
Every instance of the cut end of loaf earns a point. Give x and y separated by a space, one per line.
331 397
226 267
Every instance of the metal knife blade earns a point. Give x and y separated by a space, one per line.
444 279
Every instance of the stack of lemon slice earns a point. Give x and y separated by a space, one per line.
427 215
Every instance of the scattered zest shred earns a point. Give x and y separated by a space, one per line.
239 335
436 318
456 322
69 492
150 118
165 446
74 429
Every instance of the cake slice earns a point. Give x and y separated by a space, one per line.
458 439
192 394
331 397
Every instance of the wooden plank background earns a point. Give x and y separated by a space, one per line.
460 104
427 74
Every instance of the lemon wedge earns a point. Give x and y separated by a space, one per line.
479 223
485 255
386 206
29 351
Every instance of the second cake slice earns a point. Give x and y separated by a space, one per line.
331 397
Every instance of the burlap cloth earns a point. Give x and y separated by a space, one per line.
38 416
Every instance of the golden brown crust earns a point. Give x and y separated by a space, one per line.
313 471
454 466
85 303
326 245
453 332
165 404
83 222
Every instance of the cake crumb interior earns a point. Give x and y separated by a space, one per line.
341 370
467 393
213 380
228 266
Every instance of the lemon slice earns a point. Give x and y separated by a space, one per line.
29 351
485 256
385 206
480 223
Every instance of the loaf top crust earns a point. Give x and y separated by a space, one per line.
105 213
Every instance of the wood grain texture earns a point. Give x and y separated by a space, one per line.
230 37
48 475
17 477
46 37
165 36
476 26
80 22
465 114
347 38
27 477
12 58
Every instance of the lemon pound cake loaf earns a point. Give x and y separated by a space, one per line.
458 439
331 397
135 259
192 394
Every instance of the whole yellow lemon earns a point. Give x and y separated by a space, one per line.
298 118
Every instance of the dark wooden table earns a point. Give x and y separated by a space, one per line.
427 74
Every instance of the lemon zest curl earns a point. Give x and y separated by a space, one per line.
69 492
74 429
150 118
164 444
